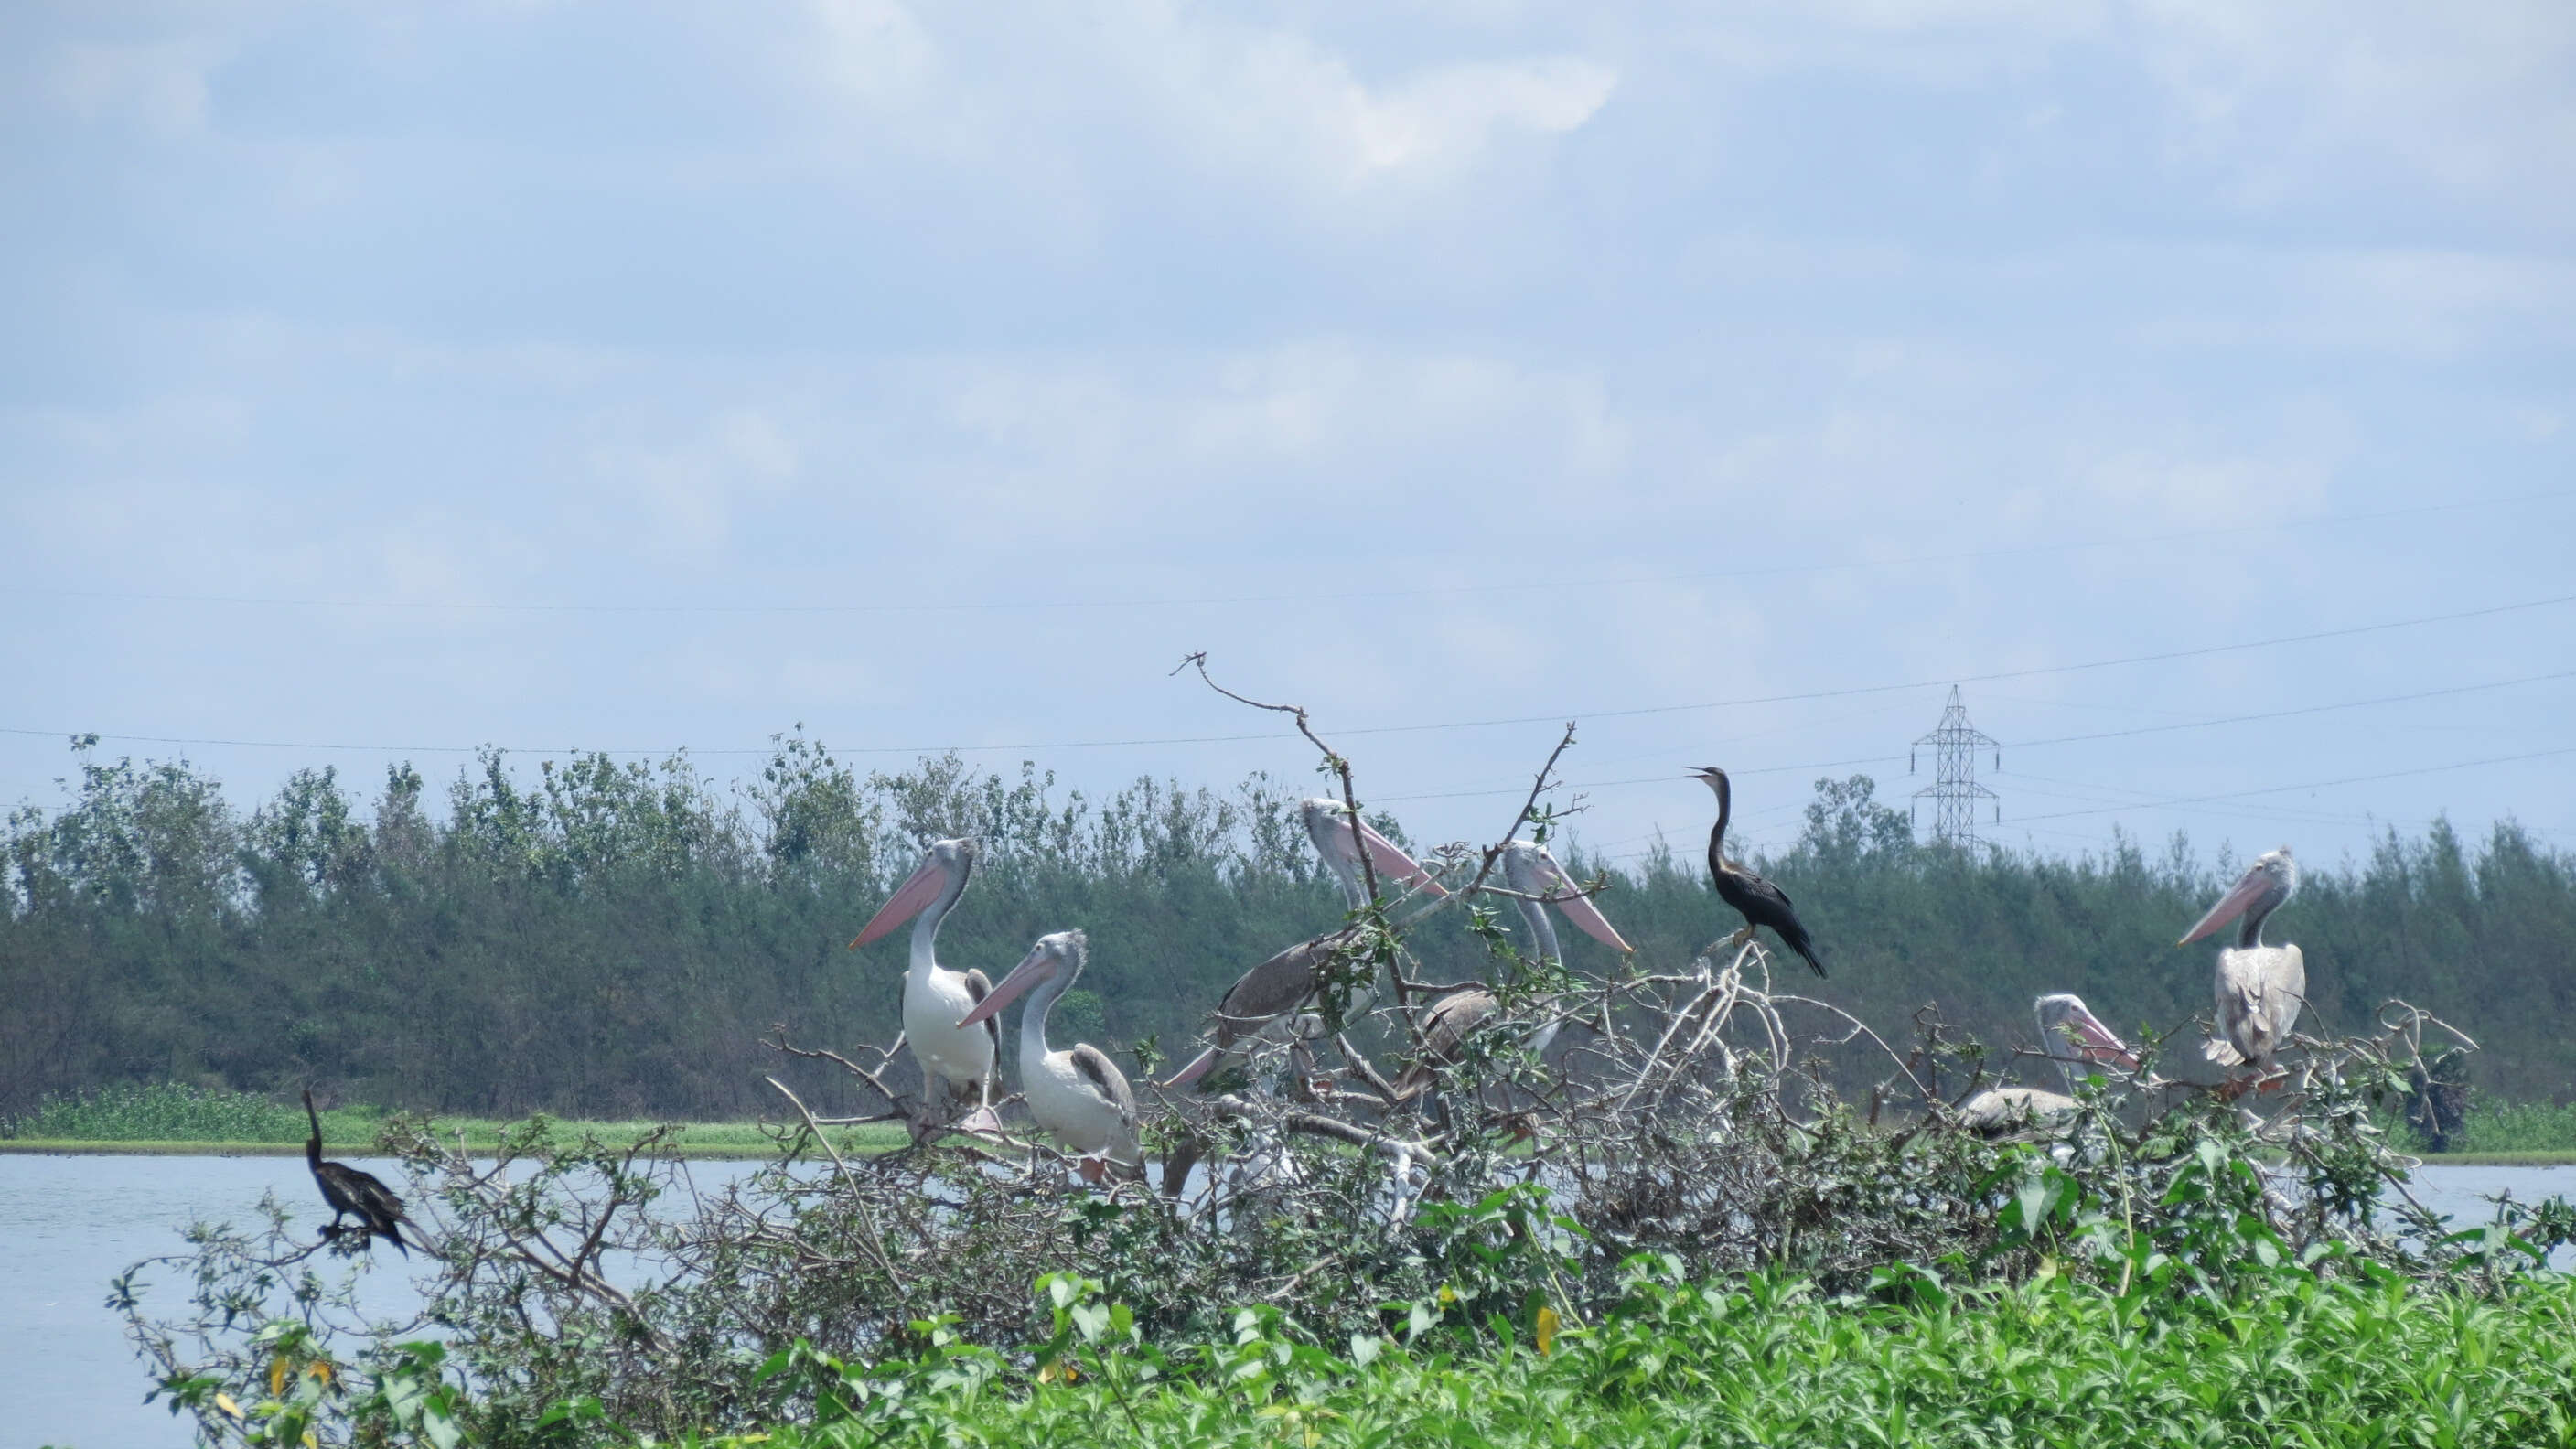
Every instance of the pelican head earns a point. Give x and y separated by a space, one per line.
942 875
2071 1033
1329 825
1055 960
2268 882
1529 869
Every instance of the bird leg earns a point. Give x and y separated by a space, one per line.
1729 943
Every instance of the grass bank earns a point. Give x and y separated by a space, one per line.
170 1119
2316 1363
709 1141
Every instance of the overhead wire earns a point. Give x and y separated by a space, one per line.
2161 656
2036 743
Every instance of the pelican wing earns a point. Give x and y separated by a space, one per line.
1102 1076
1998 1110
1444 1031
1275 987
979 986
2260 992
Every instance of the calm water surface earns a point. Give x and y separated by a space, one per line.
70 1224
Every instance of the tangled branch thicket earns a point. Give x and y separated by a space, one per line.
1682 1110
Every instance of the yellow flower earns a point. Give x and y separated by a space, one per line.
1448 1295
1547 1321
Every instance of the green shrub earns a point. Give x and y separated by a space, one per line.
159 1112
2495 1126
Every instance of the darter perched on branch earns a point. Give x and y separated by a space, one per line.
1759 901
350 1190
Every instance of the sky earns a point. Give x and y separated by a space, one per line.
384 380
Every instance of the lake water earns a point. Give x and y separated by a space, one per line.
70 1224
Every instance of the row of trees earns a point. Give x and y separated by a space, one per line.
612 939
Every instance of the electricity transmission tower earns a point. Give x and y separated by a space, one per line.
1954 789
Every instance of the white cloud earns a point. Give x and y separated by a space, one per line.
1259 105
2472 97
687 494
160 84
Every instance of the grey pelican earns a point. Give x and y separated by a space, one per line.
1533 875
2260 988
1078 1093
1759 901
956 1062
2072 1036
1268 1003
350 1190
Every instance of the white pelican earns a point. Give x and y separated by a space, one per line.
1267 1003
1078 1094
2072 1036
956 1062
2260 988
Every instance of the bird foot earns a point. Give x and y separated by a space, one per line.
1727 943
1093 1169
982 1119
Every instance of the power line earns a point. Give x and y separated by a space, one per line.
2312 784
1549 718
1423 591
2028 744
2169 654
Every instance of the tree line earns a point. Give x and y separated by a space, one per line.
613 939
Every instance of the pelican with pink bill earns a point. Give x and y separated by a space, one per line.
2261 988
1077 1094
956 1062
2073 1037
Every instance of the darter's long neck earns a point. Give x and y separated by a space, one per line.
1717 836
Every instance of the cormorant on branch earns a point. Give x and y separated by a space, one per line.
348 1190
1760 902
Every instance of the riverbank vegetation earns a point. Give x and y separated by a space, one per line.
175 1119
2290 1358
1679 1197
611 941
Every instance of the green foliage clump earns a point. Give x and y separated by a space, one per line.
159 1112
2291 1357
2495 1126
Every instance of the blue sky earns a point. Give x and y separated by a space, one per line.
636 376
